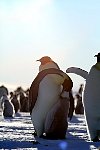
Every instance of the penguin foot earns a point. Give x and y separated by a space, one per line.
52 137
43 136
96 139
35 142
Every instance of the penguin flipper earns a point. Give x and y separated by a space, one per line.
71 109
77 71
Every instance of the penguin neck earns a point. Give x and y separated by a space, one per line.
98 59
47 66
97 65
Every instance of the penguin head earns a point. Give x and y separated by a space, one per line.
4 98
44 60
98 57
46 63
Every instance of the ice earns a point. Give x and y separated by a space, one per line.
17 133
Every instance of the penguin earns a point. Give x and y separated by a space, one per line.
7 107
3 90
91 98
15 102
45 91
56 123
79 109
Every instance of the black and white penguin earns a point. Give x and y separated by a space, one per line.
3 90
92 101
7 106
45 91
15 102
91 98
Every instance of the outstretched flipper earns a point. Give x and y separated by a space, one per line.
77 71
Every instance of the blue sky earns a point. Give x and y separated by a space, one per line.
66 30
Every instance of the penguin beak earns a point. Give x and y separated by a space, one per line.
38 60
95 55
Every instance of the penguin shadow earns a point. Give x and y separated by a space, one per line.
11 144
12 118
77 128
76 134
77 131
77 118
17 114
22 117
8 118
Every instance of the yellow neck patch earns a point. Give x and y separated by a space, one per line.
97 66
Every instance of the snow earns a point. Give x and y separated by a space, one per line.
17 133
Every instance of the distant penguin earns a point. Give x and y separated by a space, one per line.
91 98
3 90
7 107
79 109
45 91
15 102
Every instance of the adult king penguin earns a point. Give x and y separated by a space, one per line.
45 91
91 98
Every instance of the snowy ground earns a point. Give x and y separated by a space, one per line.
16 133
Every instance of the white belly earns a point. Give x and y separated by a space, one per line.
92 93
47 96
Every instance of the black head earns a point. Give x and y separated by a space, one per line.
98 57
